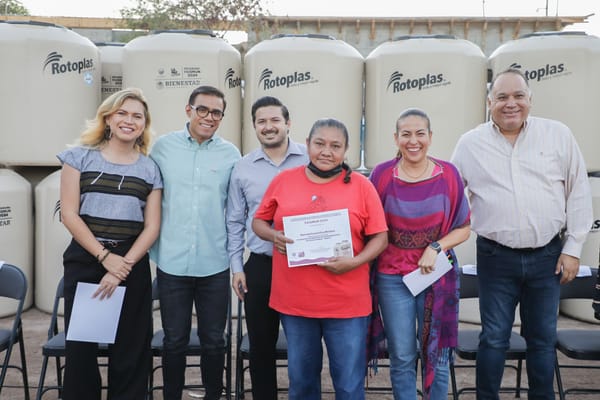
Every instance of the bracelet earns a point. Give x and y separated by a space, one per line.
101 260
98 255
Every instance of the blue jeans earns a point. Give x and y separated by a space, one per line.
211 296
508 277
402 315
345 339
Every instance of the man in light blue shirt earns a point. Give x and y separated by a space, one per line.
252 281
191 254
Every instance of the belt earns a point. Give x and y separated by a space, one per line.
109 243
261 255
520 249
115 243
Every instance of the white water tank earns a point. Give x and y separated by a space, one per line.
51 240
562 68
444 76
315 76
111 59
169 65
16 231
581 309
49 86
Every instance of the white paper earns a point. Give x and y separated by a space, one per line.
92 319
584 270
469 269
318 237
417 282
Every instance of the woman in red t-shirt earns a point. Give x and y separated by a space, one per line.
329 300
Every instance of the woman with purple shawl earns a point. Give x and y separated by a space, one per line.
427 213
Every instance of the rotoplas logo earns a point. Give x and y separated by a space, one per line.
537 74
231 80
399 83
268 81
58 66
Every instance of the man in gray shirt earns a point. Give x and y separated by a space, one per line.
252 281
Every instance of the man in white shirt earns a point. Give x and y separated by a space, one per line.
531 209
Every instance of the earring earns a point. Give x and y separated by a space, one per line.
107 133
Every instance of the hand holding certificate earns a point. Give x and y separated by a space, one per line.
318 237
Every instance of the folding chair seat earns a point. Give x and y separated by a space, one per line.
13 285
468 344
193 350
243 354
578 344
55 348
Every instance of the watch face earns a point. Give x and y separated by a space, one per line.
436 246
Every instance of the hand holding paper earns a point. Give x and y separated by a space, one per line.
93 319
417 281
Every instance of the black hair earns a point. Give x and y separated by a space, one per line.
514 71
207 90
416 112
333 123
267 101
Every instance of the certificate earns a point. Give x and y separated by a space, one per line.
92 319
318 237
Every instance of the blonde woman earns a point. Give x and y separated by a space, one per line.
110 197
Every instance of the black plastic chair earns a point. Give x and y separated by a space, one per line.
578 344
55 348
243 355
193 350
13 285
468 344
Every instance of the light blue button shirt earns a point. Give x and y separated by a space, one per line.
193 237
249 181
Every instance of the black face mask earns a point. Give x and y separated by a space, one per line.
324 174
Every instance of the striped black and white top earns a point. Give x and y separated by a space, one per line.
113 196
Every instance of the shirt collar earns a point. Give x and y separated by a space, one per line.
496 128
191 139
293 148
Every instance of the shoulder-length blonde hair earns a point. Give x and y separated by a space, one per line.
95 133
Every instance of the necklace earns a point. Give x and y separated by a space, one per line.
412 176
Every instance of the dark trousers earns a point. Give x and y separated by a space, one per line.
263 327
177 295
130 356
508 277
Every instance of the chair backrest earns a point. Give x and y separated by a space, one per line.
582 287
13 283
469 287
154 289
60 293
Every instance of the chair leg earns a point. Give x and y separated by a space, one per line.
151 381
561 391
23 365
59 380
453 382
238 376
519 370
42 378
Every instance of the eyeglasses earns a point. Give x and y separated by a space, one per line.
202 112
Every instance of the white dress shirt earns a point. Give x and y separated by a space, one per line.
523 195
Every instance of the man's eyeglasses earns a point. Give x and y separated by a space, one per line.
202 112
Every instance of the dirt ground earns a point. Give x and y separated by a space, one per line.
36 325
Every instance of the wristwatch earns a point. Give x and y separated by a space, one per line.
436 246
